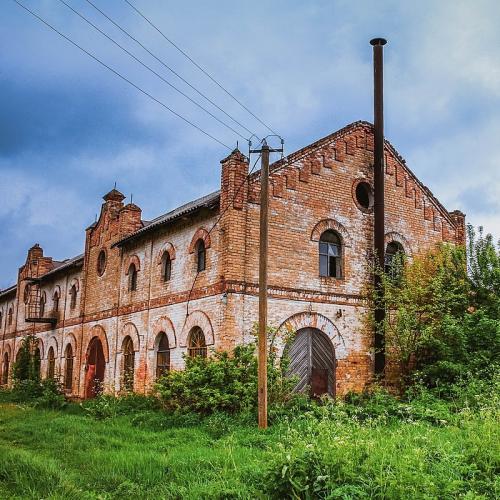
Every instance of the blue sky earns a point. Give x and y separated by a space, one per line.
70 128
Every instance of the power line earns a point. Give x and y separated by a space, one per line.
199 67
81 16
247 177
162 62
120 75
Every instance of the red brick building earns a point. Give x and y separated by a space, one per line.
129 307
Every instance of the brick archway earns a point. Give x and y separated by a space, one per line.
200 234
325 225
129 330
197 318
99 332
162 324
52 342
399 238
166 248
133 259
304 320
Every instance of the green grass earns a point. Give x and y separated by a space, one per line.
320 454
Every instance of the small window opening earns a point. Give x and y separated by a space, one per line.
166 267
364 195
128 364
201 254
43 300
10 316
101 263
72 294
132 278
51 369
330 255
55 300
68 371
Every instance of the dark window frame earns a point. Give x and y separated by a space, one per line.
330 249
68 368
73 292
162 355
101 262
51 363
197 344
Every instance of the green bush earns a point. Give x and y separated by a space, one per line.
225 382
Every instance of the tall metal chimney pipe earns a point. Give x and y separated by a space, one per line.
379 204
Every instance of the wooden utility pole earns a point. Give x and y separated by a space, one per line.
263 247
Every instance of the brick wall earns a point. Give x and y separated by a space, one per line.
313 191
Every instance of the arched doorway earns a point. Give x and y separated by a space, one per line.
94 376
312 360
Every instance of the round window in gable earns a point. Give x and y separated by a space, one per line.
364 195
101 263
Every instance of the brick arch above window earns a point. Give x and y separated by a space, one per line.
399 238
200 319
52 342
333 225
200 234
7 350
56 289
133 259
69 339
76 283
163 324
129 330
166 248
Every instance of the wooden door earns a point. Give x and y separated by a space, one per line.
312 361
94 376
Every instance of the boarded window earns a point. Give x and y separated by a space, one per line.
162 355
68 369
330 255
128 364
197 345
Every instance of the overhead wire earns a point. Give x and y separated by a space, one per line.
116 73
163 63
79 14
198 66
247 177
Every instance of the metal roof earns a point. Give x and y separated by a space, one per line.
208 201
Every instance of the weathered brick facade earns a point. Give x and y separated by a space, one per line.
313 191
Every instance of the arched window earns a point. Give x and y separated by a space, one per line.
68 368
51 367
394 259
166 266
5 369
132 277
128 364
162 355
10 316
201 256
43 300
101 262
72 295
330 255
55 301
196 344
